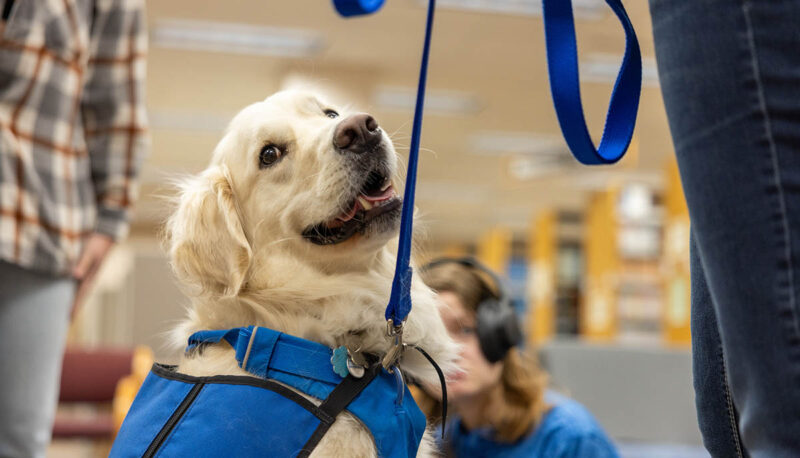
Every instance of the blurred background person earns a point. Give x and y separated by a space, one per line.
500 405
72 124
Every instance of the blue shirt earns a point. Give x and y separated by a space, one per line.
567 430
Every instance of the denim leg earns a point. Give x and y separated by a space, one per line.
730 74
712 392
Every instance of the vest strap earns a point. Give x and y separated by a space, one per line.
336 402
260 350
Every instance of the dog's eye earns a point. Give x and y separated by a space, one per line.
331 114
269 156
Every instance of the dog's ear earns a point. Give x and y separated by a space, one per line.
205 236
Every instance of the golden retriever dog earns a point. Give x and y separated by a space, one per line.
293 226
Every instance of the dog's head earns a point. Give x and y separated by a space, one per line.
289 228
292 174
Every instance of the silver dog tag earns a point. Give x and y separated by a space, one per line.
355 370
356 362
357 357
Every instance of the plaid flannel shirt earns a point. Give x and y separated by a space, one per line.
72 125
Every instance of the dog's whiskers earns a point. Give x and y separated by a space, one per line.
399 129
275 242
405 147
313 175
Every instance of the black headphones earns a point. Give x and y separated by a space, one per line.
498 325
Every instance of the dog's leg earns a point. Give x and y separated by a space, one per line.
428 447
346 438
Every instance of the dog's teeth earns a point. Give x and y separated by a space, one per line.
386 185
365 203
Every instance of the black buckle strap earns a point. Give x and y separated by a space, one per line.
349 389
335 403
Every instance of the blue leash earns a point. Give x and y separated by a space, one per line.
562 62
400 299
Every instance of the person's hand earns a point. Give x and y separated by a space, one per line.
94 253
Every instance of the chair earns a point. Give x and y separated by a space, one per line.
90 377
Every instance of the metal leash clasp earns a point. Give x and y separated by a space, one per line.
394 353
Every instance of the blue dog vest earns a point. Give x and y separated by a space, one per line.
179 415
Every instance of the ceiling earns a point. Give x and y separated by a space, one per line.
494 62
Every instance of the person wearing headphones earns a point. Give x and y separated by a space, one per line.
500 404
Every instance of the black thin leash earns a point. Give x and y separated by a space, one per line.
441 382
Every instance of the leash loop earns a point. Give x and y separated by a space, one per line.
562 64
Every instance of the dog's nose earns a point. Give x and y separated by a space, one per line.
357 133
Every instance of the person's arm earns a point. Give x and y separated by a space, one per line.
114 120
113 109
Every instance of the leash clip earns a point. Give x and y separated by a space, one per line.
394 353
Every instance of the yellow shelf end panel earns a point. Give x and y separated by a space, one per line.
598 314
542 277
677 306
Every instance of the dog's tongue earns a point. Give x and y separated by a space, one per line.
385 194
345 217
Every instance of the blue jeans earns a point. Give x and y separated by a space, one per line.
730 75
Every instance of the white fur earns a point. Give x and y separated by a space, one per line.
235 241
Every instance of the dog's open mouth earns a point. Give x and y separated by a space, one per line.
376 201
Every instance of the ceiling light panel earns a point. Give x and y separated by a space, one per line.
436 101
603 68
499 143
585 9
235 38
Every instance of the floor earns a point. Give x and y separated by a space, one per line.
85 449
